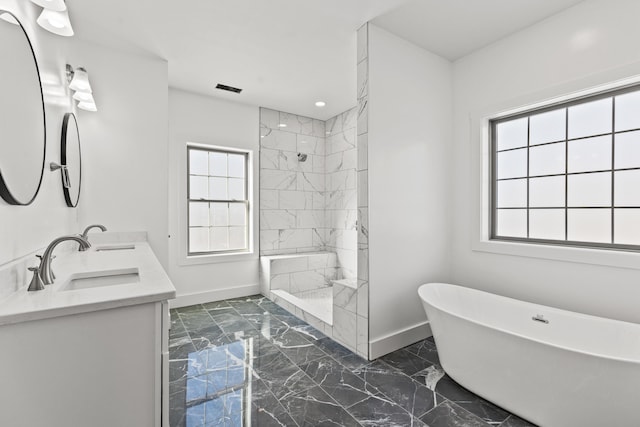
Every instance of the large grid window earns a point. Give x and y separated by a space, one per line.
218 203
569 174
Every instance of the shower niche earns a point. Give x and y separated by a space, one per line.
309 222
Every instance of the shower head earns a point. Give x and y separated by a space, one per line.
302 157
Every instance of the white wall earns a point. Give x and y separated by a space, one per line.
124 145
207 120
409 147
590 44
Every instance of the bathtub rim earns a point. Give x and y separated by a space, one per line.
523 336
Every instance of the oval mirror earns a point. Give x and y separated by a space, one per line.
22 116
71 157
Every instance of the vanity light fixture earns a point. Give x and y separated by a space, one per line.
79 82
55 5
320 104
87 106
84 97
56 22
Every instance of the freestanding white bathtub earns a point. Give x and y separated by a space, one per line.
575 370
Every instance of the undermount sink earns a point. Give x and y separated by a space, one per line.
127 246
100 279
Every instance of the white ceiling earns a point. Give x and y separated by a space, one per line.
455 28
287 54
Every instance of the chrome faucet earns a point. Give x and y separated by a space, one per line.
85 235
45 267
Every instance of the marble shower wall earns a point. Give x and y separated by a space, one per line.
292 193
362 310
341 190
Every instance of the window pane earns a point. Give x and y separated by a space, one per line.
627 231
198 239
590 154
236 189
511 222
217 164
198 214
198 188
237 238
591 118
511 134
219 239
219 213
237 214
590 225
547 159
218 188
627 188
512 164
547 127
627 107
236 165
198 162
512 194
627 150
590 189
546 224
547 192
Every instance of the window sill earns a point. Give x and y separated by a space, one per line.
217 258
603 257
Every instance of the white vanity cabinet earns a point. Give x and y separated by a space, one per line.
94 355
103 368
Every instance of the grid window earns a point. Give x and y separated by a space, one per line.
569 174
218 202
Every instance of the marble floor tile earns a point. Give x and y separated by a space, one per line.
341 353
478 406
296 347
425 349
246 307
413 397
343 385
406 362
451 415
379 411
314 407
248 362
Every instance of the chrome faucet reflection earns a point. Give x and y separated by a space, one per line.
85 234
45 267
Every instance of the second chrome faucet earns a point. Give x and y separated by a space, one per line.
85 234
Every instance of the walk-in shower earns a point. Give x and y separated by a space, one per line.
308 220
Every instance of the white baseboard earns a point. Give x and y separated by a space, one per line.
214 295
392 342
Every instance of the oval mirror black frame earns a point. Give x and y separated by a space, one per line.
5 192
70 120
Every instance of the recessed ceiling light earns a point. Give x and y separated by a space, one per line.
320 104
282 125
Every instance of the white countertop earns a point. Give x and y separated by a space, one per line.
153 285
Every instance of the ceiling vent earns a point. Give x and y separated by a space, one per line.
228 88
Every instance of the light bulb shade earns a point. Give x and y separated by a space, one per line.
80 81
55 5
87 106
84 97
9 18
55 22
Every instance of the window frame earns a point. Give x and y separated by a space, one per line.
246 201
527 113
